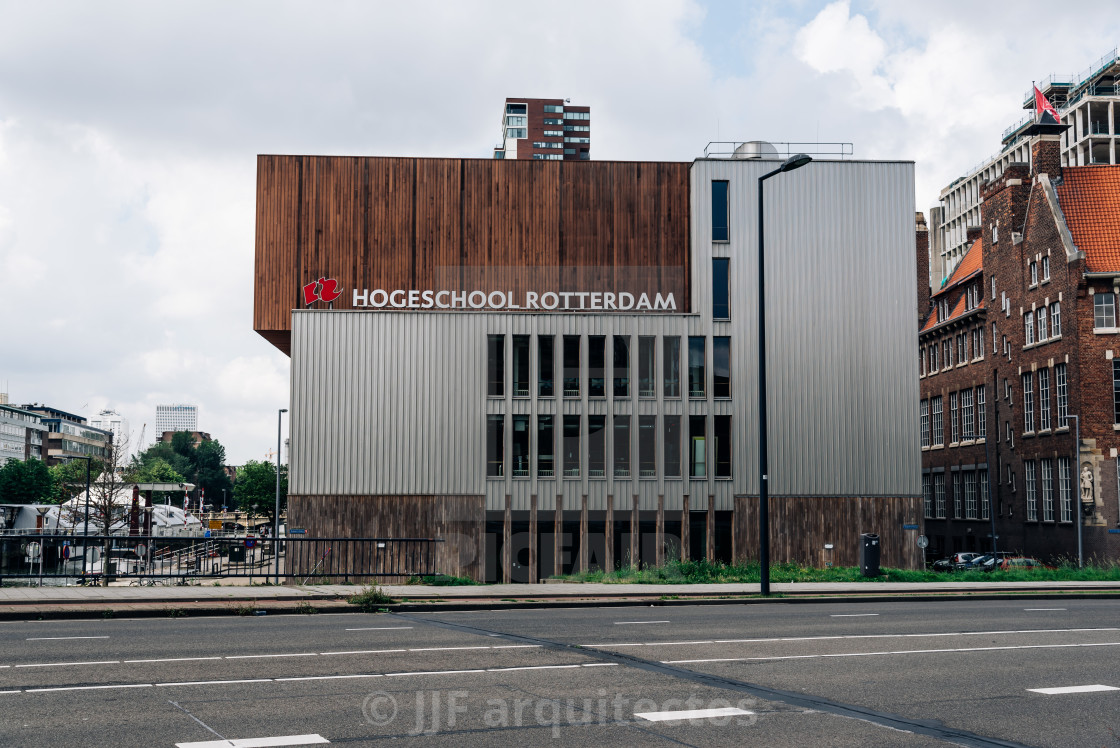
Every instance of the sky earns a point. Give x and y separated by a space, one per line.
129 133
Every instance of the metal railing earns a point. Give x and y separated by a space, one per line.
152 559
774 149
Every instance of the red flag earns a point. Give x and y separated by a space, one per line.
1041 105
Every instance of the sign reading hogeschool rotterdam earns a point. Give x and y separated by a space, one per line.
594 301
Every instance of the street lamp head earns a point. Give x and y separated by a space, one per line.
796 161
283 410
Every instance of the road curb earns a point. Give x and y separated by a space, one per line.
313 604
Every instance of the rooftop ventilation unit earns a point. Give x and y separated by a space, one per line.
755 149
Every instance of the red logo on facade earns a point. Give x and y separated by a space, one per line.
323 289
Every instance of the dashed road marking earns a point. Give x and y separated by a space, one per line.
727 711
1073 689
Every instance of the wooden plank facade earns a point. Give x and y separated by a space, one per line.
800 527
457 520
465 224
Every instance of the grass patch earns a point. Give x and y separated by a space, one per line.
370 600
703 572
306 608
245 610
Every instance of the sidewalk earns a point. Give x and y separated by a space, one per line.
69 602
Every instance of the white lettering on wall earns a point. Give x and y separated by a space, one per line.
595 301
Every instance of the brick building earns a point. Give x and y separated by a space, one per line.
545 130
1019 340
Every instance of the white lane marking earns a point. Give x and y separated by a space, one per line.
58 664
445 649
276 742
331 677
852 615
727 711
600 664
1036 609
897 652
635 623
258 657
171 659
88 688
530 667
434 672
517 646
10 691
1074 689
60 638
212 682
383 628
853 636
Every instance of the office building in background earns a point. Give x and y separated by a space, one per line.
545 130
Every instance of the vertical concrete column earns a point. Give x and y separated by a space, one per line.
710 544
534 571
507 543
608 562
634 533
659 536
558 535
686 545
583 549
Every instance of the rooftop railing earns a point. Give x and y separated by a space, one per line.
765 149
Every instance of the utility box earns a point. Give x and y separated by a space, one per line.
237 554
869 551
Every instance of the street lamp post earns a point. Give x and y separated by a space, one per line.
791 163
1074 479
276 516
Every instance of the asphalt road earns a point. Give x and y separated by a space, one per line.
859 674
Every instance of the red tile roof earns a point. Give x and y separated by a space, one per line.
1090 200
970 264
957 311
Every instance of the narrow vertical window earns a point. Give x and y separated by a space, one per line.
924 411
1104 310
596 446
970 495
647 446
697 447
672 446
981 414
521 366
966 415
546 446
546 366
696 373
720 231
953 432
621 446
938 430
1028 323
939 495
722 437
1032 496
927 495
1044 399
1028 403
1046 478
1061 395
672 366
1065 490
596 366
520 447
1056 319
1041 313
621 345
721 367
985 499
1115 391
647 366
958 491
721 288
571 366
495 365
495 446
571 446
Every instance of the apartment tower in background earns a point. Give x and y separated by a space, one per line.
545 130
177 417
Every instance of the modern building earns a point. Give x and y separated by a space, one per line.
177 417
545 130
1020 377
70 436
21 434
553 366
111 420
1088 102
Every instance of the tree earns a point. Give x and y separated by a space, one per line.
68 479
25 482
255 489
201 465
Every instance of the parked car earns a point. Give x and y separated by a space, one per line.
1022 562
987 561
955 562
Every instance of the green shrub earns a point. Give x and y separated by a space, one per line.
370 599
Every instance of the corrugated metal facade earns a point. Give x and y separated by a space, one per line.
395 403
